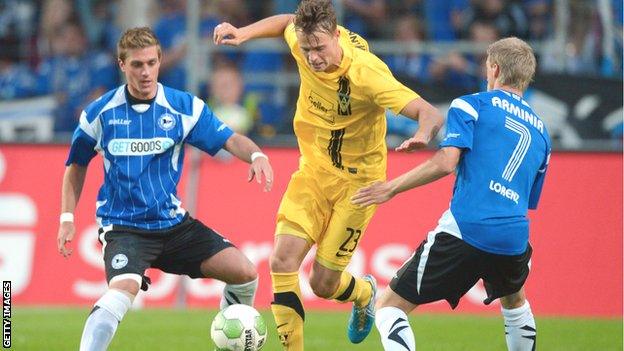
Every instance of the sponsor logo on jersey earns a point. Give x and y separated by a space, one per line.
139 147
119 261
166 121
120 121
504 191
451 136
321 107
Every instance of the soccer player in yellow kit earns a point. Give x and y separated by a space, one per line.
340 126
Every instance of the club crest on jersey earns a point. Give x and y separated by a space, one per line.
166 121
344 97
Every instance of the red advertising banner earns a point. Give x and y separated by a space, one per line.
576 232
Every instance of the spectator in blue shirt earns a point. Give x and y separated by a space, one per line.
74 74
16 79
364 17
171 30
414 65
465 71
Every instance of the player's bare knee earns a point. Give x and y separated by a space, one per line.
248 273
513 301
283 263
128 286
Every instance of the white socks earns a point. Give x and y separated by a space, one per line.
394 328
520 331
396 333
103 320
240 293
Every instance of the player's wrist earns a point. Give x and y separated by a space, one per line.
258 154
66 217
242 35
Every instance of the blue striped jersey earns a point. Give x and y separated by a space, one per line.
142 146
505 153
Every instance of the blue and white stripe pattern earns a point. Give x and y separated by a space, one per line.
143 149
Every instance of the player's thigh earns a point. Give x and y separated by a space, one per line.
128 255
229 265
304 210
442 268
192 244
506 275
344 232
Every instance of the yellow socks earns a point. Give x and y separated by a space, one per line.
353 289
288 310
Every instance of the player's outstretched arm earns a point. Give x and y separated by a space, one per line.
73 180
441 164
243 148
429 123
274 26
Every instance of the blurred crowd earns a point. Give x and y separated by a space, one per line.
66 48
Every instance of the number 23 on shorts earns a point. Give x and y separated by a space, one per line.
350 244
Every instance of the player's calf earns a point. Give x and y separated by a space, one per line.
520 330
102 322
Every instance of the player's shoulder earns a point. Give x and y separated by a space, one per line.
290 36
356 40
180 101
469 103
367 67
110 99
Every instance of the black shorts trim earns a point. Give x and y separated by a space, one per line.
445 267
179 250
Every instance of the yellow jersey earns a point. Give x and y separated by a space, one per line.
340 120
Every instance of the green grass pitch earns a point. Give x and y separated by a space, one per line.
53 329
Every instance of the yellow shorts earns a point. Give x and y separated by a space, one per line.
317 207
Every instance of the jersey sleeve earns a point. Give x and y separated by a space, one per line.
383 88
84 142
290 37
460 122
536 189
208 134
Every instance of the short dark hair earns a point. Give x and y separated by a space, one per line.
315 15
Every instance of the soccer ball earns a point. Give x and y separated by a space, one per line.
238 328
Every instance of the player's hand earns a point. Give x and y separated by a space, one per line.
414 143
227 34
376 193
66 233
259 168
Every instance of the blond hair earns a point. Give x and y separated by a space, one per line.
516 61
315 15
136 38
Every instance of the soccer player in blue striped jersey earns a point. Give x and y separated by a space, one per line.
140 129
499 149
